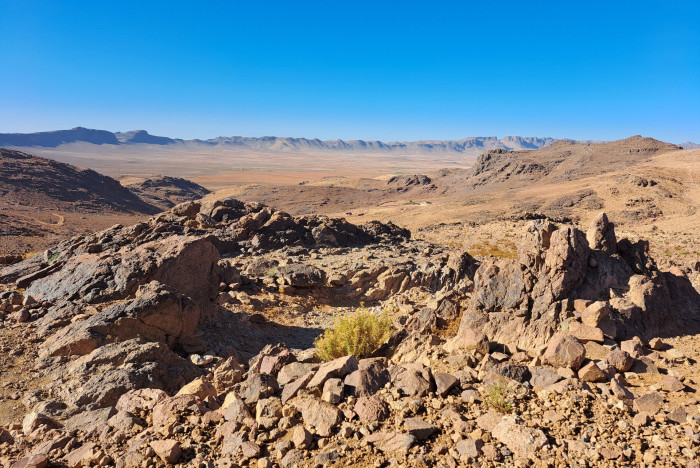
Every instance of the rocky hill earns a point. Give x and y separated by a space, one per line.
43 201
187 340
563 161
26 179
473 145
165 192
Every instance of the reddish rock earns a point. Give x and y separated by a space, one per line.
584 333
620 360
595 313
419 428
236 409
32 461
227 374
143 399
413 379
337 368
564 351
290 390
301 437
84 456
444 383
672 384
371 409
470 448
522 440
591 373
168 450
619 390
656 344
320 416
200 387
633 347
32 421
370 377
171 409
250 450
391 441
650 403
332 391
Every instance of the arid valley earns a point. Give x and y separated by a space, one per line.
349 234
544 305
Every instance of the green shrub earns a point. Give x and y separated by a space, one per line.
359 333
498 396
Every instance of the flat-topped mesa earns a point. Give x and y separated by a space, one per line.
558 273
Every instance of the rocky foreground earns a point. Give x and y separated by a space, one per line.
186 340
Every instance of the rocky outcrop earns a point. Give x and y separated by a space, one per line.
526 301
188 265
157 313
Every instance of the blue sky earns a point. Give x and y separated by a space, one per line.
370 70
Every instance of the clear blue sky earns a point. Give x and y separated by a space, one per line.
372 70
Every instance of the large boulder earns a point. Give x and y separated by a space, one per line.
100 378
188 265
157 314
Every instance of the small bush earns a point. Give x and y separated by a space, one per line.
498 396
359 334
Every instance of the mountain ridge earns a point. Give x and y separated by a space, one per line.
271 143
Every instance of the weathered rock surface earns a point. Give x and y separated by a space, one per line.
526 301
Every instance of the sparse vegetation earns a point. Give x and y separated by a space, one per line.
565 325
498 396
359 333
53 257
27 255
500 249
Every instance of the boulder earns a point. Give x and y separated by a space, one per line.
371 409
301 437
391 441
136 401
157 314
337 368
201 387
257 386
564 351
620 360
601 235
591 373
595 313
187 265
370 377
419 428
168 450
103 376
413 379
320 416
522 440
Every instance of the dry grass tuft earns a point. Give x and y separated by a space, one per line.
358 334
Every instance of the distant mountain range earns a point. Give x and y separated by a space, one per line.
689 145
473 145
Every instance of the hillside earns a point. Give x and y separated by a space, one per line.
562 161
188 340
43 201
26 179
164 192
